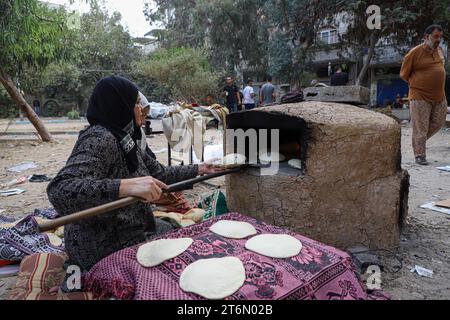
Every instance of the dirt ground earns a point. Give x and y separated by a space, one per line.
425 240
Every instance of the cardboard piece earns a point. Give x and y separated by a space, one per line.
444 203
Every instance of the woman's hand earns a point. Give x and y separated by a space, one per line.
207 168
147 188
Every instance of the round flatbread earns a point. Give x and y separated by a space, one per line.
156 252
215 278
266 157
295 163
231 160
233 229
274 245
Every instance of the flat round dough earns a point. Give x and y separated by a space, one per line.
233 229
231 160
265 157
274 245
156 252
295 163
215 278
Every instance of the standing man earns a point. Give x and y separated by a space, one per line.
249 95
339 78
231 93
37 107
423 69
267 94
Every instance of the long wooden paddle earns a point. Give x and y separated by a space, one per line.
107 207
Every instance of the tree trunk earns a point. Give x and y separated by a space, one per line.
20 101
370 54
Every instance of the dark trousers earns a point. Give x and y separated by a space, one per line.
249 106
232 107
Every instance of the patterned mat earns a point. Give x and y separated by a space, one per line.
318 272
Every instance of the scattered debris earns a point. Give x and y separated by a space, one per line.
434 207
14 182
11 192
38 178
23 167
423 272
363 258
2 210
9 271
446 168
444 203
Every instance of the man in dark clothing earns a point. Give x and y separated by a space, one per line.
233 98
339 78
37 107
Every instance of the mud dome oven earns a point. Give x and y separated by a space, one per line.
350 189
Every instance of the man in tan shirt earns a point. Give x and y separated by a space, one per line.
424 70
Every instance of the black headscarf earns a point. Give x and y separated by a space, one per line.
112 106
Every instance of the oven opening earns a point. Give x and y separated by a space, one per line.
270 133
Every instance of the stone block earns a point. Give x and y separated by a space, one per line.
342 94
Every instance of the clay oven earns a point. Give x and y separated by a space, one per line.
351 188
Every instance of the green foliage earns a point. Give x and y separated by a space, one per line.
402 25
280 36
53 109
31 34
306 77
7 107
100 47
73 115
280 54
103 43
183 73
62 80
229 29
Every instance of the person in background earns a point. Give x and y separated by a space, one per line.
423 68
398 104
209 100
339 78
231 93
37 107
249 95
145 107
267 93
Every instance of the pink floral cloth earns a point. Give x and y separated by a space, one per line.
318 272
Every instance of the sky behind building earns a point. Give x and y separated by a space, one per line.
132 12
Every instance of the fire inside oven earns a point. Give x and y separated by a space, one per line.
292 133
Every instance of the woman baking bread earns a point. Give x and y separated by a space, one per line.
106 164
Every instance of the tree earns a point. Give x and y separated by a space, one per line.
228 29
402 25
293 26
269 35
99 47
185 73
32 35
103 47
281 35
